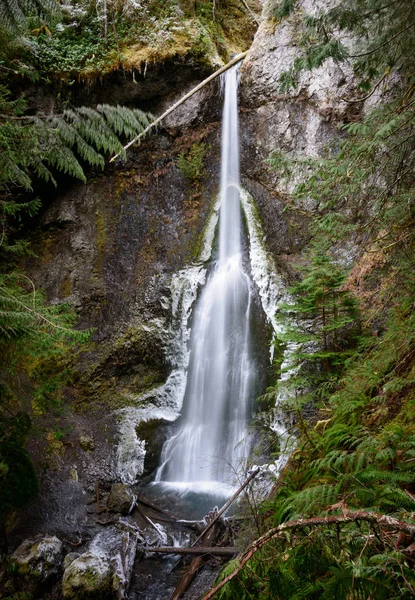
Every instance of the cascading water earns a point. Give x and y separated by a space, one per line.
213 437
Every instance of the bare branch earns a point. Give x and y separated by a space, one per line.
230 64
276 532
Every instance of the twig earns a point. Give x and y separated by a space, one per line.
74 544
250 11
107 522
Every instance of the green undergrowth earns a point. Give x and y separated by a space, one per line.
340 519
356 453
91 39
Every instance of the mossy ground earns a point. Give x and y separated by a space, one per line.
94 45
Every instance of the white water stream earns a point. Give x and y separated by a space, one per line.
212 386
213 437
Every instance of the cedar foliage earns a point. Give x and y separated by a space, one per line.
14 13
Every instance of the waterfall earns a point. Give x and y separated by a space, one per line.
213 438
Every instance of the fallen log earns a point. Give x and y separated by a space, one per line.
195 550
149 504
230 64
207 540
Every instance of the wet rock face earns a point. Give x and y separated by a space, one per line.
142 88
109 247
273 52
154 433
299 123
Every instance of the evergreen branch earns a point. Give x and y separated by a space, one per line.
39 316
380 8
375 87
369 52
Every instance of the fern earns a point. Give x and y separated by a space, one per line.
43 146
14 13
191 164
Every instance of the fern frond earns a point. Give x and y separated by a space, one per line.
14 13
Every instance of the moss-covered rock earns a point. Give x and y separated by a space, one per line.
104 570
88 577
121 499
38 558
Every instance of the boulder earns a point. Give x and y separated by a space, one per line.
88 577
121 499
104 570
39 558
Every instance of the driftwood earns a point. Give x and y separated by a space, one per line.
149 504
228 504
208 539
372 518
195 550
149 521
107 522
222 510
154 123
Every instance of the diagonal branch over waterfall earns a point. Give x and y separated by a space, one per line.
230 64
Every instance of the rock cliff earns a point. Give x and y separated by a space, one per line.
111 247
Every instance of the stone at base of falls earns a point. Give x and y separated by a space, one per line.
103 572
121 499
38 558
89 576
